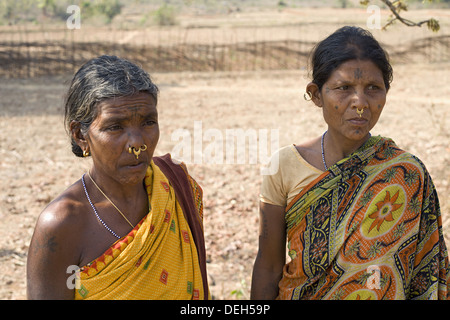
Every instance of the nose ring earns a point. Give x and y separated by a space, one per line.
359 112
137 151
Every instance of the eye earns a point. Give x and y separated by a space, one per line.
343 88
114 127
150 122
373 87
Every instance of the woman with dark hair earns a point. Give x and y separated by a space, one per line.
131 227
361 216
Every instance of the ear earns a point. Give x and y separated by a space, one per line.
78 136
315 93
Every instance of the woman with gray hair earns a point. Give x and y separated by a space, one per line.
131 227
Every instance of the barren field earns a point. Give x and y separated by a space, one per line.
36 163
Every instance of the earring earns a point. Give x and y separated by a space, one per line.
86 153
307 96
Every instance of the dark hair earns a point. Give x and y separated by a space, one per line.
348 43
100 79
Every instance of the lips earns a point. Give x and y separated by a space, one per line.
130 161
358 121
135 165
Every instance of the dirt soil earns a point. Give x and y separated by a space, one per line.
36 163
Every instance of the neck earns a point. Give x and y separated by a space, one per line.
337 147
116 190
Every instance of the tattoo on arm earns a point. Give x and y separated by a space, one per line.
48 243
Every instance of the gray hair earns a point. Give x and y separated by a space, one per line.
99 79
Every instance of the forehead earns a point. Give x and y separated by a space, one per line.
360 69
141 102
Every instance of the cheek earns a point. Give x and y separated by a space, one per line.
108 142
376 115
378 100
155 133
106 145
333 111
377 107
380 108
153 137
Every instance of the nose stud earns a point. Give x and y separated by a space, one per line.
137 151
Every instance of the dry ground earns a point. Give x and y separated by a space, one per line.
36 163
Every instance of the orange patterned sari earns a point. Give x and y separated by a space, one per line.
368 228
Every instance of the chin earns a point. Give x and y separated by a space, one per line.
359 134
135 174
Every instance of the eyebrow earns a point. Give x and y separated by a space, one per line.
349 82
120 117
341 82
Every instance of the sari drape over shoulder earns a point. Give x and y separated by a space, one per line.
368 228
163 257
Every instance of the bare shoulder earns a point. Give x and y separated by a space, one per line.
55 246
65 211
60 224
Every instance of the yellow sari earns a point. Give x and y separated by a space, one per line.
159 258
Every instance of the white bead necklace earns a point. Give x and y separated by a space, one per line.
323 153
95 211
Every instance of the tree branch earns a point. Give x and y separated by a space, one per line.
396 7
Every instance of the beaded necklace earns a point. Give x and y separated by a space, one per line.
95 210
323 152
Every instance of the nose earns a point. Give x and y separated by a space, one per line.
359 100
135 139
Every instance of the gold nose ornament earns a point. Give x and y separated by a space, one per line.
360 112
137 151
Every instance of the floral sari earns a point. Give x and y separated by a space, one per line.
368 228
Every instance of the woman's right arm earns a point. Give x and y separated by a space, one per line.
52 250
268 267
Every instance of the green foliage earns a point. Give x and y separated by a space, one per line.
16 11
107 8
433 25
241 293
110 8
48 6
165 15
344 3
